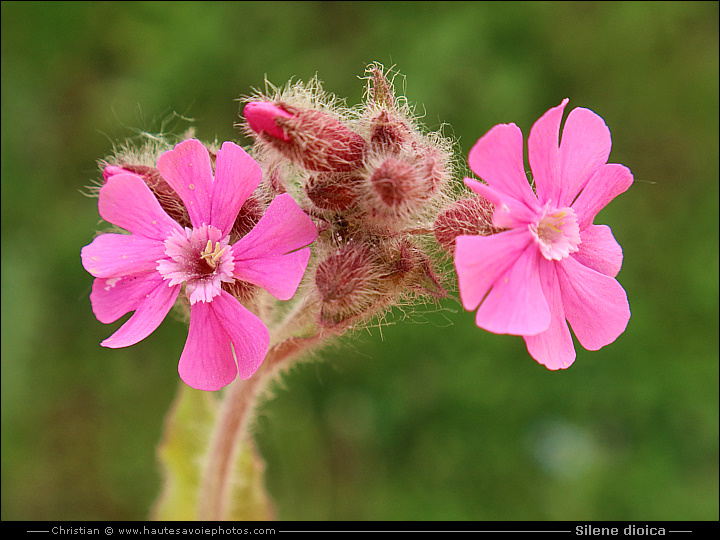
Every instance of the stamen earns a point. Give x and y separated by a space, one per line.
211 255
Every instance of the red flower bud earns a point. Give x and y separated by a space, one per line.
333 191
395 182
347 285
397 188
464 217
433 168
409 267
388 132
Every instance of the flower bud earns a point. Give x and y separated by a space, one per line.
410 268
464 217
333 191
434 168
396 188
388 132
347 284
310 138
395 182
248 216
380 90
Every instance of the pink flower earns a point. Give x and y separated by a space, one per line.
551 264
145 270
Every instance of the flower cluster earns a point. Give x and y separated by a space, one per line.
372 180
368 188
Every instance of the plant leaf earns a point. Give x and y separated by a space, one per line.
186 435
185 441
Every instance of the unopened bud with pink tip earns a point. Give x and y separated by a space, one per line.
313 139
112 170
261 117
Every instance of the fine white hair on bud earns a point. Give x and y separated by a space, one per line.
472 216
373 179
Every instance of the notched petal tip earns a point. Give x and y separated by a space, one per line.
187 169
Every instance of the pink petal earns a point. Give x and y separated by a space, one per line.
126 201
111 255
268 256
111 298
248 334
236 177
554 347
596 306
509 213
207 361
280 276
481 260
147 317
516 303
497 158
261 117
112 170
599 250
585 147
544 154
608 182
188 170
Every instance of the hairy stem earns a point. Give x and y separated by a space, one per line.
225 441
231 426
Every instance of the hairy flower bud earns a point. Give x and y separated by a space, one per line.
398 186
248 216
380 90
464 217
347 284
401 186
333 191
410 268
313 139
434 167
388 132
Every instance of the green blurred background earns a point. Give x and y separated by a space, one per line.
430 418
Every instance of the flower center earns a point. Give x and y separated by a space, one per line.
211 256
199 258
556 233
